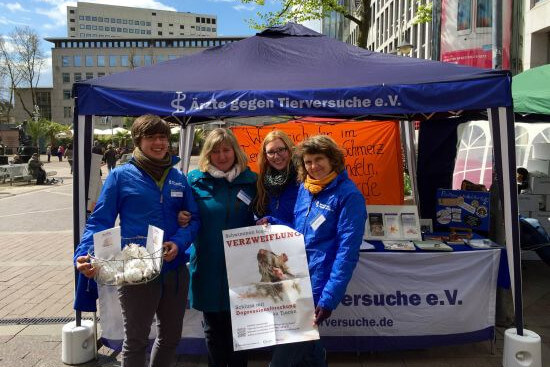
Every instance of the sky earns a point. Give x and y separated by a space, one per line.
49 17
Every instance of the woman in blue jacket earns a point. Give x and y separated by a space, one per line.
277 186
147 191
330 212
224 188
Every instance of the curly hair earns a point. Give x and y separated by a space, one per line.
318 144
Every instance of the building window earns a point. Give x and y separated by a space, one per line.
207 20
136 60
153 13
71 11
73 29
213 29
81 17
99 75
65 61
94 27
213 21
148 24
94 19
100 28
67 112
88 18
197 20
82 26
100 60
77 77
149 31
124 30
182 26
142 23
159 24
89 75
119 20
170 25
66 94
112 60
124 60
160 58
100 19
119 30
66 77
72 20
131 30
160 33
124 21
88 26
203 20
172 57
77 60
89 60
113 20
143 31
147 60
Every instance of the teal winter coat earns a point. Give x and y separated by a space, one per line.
220 209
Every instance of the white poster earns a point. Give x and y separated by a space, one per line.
270 295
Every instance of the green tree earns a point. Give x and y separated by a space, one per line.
37 129
53 128
303 10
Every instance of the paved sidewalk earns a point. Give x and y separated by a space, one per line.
36 293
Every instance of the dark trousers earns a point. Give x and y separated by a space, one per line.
165 297
219 341
302 354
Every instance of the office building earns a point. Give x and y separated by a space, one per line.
74 60
90 20
536 37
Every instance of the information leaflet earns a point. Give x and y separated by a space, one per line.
269 287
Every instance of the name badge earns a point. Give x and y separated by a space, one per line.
243 196
318 221
176 194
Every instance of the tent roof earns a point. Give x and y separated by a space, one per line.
531 91
292 70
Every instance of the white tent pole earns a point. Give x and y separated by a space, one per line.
81 212
185 146
410 151
502 122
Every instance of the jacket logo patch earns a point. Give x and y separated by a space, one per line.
175 183
323 206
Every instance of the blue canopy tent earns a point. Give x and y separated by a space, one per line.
291 70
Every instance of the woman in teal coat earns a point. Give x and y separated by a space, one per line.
223 187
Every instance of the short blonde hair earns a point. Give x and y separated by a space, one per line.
261 203
319 144
214 139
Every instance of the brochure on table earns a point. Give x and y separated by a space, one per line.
466 209
392 222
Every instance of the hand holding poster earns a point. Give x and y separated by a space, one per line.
269 288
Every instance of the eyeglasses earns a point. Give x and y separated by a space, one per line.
274 152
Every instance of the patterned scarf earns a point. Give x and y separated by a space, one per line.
229 175
154 167
315 186
275 181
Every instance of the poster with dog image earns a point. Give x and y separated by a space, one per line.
269 288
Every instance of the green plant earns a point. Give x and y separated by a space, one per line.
407 190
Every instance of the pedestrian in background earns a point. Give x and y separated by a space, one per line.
69 155
60 152
36 169
224 188
110 157
147 191
49 152
277 186
330 212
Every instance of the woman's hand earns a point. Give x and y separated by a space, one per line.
184 217
84 266
321 314
262 221
170 251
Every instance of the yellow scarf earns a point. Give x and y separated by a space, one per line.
315 186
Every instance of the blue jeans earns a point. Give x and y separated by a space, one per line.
303 354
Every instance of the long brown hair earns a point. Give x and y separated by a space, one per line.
261 201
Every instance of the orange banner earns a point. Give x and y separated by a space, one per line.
372 152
